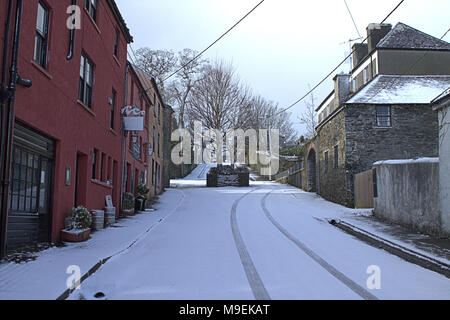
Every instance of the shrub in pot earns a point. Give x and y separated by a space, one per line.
142 191
128 204
79 228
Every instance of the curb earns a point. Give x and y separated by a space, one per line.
393 248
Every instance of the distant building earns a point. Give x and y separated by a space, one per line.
154 121
380 110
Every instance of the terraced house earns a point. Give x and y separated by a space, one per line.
380 110
62 91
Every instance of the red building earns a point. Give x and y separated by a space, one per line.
144 148
66 146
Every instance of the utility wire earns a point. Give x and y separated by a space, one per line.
351 16
212 44
337 67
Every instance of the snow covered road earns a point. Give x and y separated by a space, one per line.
268 241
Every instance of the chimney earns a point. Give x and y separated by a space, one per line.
376 32
360 51
341 88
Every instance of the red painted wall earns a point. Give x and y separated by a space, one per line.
50 106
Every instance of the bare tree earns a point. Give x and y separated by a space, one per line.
218 98
181 88
159 64
309 118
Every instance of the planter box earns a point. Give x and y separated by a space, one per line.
75 235
128 212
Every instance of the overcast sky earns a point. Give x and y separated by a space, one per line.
284 46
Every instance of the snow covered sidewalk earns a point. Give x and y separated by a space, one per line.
363 221
46 277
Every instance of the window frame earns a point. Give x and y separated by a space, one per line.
85 90
112 114
43 44
92 8
116 44
380 117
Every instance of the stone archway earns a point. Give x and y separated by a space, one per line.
311 170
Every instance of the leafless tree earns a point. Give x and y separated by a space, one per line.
159 64
181 88
309 118
218 99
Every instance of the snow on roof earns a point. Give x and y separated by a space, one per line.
407 161
403 36
401 90
441 96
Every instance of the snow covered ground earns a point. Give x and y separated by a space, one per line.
222 244
268 241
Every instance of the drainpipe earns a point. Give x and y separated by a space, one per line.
124 151
71 38
8 131
4 96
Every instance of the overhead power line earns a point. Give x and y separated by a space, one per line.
334 70
351 16
212 44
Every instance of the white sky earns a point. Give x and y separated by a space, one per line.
281 48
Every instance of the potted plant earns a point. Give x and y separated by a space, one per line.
142 191
79 228
128 203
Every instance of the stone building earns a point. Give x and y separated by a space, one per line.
380 110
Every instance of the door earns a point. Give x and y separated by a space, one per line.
29 218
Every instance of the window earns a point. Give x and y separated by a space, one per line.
384 117
116 44
159 139
91 7
86 81
326 162
102 168
41 39
113 109
154 104
336 157
154 138
94 164
159 112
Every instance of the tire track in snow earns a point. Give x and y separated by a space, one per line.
363 293
256 284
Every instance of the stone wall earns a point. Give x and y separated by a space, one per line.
414 133
333 182
408 194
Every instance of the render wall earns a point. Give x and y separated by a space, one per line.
444 120
408 194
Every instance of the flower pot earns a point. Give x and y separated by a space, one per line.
75 235
129 212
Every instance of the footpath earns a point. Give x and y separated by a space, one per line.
45 278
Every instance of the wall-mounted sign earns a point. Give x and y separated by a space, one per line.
133 123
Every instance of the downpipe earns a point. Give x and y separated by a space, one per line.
8 120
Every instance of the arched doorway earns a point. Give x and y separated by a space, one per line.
312 181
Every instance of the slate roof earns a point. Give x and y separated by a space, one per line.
403 36
401 90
